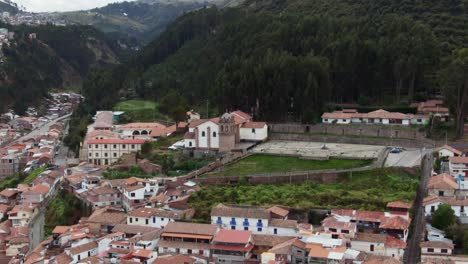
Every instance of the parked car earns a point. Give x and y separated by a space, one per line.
396 150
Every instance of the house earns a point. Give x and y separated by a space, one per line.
348 116
442 185
234 217
90 182
459 206
153 217
83 251
7 196
107 218
378 244
9 164
136 190
192 115
436 248
320 254
143 256
102 196
21 214
232 246
141 130
147 240
224 133
35 194
263 243
102 121
458 166
133 230
433 108
108 151
395 226
332 224
187 238
447 151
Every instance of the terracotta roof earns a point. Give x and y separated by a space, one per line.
191 228
269 240
285 248
375 114
198 122
60 229
19 240
41 189
463 160
442 181
134 188
318 251
436 244
368 237
254 125
142 126
107 216
102 191
446 200
8 192
233 236
393 242
142 253
452 149
180 244
399 204
332 222
189 135
150 212
240 211
116 141
62 259
4 208
83 248
398 223
147 236
372 259
242 115
175 259
279 211
283 223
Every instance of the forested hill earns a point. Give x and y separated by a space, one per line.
59 57
283 59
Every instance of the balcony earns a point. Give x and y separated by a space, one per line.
260 224
219 222
246 223
233 223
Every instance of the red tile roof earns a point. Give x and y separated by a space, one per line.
60 229
233 236
42 189
398 223
254 125
332 222
198 122
452 149
279 211
436 244
399 204
393 242
189 135
463 160
442 181
241 114
116 141
142 253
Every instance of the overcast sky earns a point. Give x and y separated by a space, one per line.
62 5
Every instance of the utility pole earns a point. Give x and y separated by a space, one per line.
207 108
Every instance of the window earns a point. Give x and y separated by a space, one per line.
106 154
203 134
334 236
372 248
132 194
259 229
90 146
189 251
133 146
275 231
136 219
123 146
115 155
146 221
326 120
462 209
97 154
190 143
441 193
106 162
90 154
419 120
96 146
115 146
214 134
233 227
246 228
344 231
333 230
443 250
201 252
79 257
131 220
253 130
432 209
154 220
430 250
105 146
162 219
89 253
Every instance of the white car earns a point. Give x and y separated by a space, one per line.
178 145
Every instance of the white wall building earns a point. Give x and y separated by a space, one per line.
153 217
109 151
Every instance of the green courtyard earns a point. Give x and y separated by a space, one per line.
367 190
259 163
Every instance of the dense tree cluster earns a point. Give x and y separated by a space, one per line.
284 60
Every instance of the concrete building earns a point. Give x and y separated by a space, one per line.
351 116
109 151
153 217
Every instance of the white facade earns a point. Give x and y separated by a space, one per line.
208 132
257 226
78 257
282 231
376 248
446 153
254 134
185 250
153 221
457 168
436 251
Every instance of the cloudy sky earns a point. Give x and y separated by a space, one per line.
62 5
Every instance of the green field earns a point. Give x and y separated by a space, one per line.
369 190
140 111
259 163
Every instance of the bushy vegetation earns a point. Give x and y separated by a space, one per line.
135 171
369 190
64 209
33 175
259 163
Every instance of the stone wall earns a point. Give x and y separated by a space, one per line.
364 130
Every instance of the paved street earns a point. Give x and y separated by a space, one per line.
407 158
413 251
41 130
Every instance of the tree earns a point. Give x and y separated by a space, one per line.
454 80
146 148
174 105
443 217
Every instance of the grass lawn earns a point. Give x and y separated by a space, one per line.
269 163
369 190
141 111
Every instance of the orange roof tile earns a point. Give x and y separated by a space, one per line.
442 181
